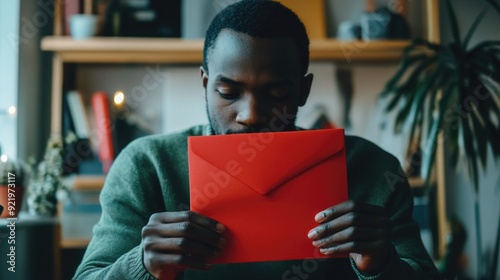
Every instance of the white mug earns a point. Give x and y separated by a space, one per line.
82 26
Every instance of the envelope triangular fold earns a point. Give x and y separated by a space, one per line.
272 154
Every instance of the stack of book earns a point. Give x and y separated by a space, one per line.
93 151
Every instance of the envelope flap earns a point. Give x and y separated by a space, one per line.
264 161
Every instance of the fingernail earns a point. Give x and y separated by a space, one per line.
320 216
323 251
220 227
316 243
312 234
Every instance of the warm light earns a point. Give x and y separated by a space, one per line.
3 158
11 110
119 98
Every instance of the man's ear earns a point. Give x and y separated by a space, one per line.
305 88
204 77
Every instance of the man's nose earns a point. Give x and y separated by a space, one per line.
251 113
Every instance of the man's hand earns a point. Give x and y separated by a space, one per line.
174 241
360 229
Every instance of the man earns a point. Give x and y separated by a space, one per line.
255 77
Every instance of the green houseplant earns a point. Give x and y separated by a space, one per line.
454 90
12 186
46 181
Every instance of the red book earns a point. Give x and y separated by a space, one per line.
103 129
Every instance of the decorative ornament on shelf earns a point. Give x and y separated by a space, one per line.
46 183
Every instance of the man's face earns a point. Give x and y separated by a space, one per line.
255 84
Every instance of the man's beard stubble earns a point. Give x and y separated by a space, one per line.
213 124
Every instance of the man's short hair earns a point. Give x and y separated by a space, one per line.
259 18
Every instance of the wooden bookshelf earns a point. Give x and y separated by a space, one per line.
96 182
121 50
184 51
86 182
416 182
74 243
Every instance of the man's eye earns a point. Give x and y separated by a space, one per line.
227 94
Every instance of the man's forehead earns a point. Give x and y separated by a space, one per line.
232 49
232 38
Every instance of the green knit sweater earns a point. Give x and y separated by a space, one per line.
151 175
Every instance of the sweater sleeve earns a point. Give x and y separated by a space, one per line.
115 251
408 258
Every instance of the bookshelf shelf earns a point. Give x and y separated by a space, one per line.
74 243
416 182
86 182
96 182
170 50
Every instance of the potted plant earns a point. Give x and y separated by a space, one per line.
453 89
12 182
46 181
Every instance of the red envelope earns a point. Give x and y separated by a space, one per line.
266 189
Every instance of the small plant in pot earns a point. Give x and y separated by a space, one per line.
46 182
12 186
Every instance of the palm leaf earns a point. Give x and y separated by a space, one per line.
428 86
410 83
473 28
433 98
405 65
491 132
484 65
481 134
470 152
430 151
495 140
421 42
430 111
493 108
453 22
494 55
494 4
493 90
428 160
485 45
407 61
403 112
453 144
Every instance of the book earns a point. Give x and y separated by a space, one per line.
104 128
75 121
313 15
78 114
68 128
